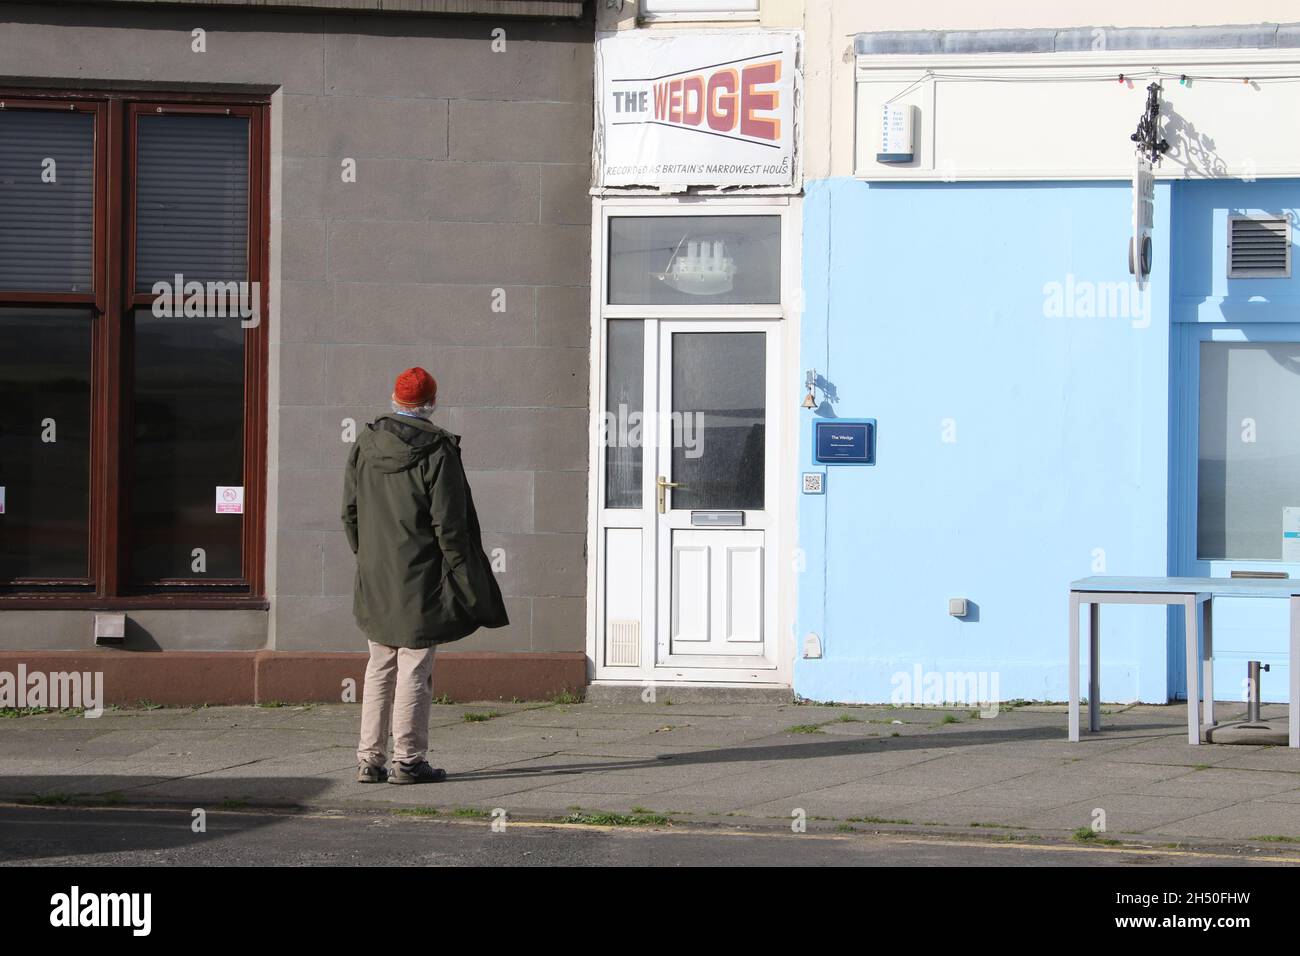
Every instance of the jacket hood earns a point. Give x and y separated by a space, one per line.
393 443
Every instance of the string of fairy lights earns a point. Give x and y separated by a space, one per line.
1124 79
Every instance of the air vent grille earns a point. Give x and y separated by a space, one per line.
623 643
1259 248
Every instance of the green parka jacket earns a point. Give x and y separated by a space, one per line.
422 577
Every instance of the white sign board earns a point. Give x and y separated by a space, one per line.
2 499
230 500
1291 534
696 109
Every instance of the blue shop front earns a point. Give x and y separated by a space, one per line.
999 406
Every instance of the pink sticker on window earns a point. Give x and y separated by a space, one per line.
230 500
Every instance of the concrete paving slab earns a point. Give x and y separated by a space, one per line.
1241 821
558 803
1221 783
1287 796
1174 753
1030 794
1283 759
1127 812
1129 777
860 799
953 811
747 790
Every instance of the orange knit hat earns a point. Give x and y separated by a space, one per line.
415 387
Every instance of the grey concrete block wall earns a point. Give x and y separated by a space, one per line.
471 176
470 195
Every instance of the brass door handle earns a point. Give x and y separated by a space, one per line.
661 484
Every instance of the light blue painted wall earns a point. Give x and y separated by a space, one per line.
926 303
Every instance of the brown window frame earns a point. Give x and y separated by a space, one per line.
112 299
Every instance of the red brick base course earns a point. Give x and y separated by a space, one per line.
178 678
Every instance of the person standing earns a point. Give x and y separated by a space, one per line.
422 578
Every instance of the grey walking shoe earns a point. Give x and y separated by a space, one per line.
369 773
419 772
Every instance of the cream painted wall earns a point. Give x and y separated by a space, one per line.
830 26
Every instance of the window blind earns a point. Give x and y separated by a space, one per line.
47 200
191 199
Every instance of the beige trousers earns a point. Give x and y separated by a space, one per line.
397 694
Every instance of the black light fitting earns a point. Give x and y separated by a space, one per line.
1147 136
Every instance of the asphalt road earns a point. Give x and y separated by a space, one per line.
151 837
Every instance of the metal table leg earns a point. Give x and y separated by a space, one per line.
1074 664
1207 666
1294 706
1094 666
1192 668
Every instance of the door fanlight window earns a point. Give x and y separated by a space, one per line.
694 260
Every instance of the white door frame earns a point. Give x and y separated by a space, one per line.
784 377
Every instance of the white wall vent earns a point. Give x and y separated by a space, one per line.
623 643
1259 248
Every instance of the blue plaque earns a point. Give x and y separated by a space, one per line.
844 441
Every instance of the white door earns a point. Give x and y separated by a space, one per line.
714 467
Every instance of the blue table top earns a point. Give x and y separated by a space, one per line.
1231 587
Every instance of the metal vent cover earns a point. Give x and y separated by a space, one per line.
1259 247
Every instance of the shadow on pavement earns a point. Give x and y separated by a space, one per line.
803 749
